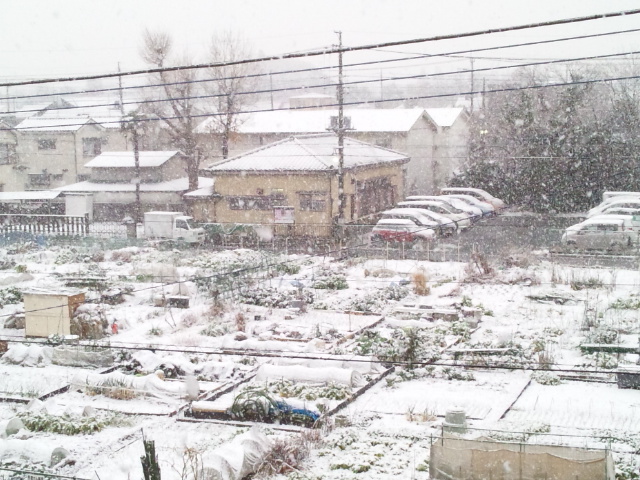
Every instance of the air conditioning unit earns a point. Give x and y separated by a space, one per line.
334 123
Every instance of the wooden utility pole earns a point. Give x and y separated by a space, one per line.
120 90
136 160
340 132
471 84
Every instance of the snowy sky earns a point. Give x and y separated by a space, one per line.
44 38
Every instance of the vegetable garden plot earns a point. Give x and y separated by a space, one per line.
26 383
484 395
294 395
571 404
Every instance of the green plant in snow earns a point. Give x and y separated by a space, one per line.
150 465
603 334
626 304
333 282
456 374
66 424
546 378
10 296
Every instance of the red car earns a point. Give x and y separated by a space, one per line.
400 230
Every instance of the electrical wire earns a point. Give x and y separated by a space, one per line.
374 62
333 50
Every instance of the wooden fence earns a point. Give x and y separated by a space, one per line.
45 224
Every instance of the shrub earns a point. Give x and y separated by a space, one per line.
10 296
546 378
334 282
419 280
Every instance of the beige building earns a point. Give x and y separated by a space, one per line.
434 138
294 183
113 186
45 152
50 312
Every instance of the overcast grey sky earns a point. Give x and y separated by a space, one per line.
51 38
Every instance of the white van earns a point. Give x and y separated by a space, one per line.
602 233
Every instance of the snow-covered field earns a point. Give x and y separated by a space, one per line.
327 330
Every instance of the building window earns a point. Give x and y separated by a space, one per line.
256 202
7 153
39 179
83 177
46 144
313 201
91 147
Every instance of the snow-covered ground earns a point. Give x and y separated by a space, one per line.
317 314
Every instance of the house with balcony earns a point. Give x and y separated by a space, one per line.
45 152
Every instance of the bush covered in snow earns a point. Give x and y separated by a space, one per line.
275 298
10 296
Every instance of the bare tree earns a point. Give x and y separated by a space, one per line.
232 86
179 91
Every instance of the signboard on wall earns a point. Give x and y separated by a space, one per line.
284 215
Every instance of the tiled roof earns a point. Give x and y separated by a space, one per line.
177 185
308 153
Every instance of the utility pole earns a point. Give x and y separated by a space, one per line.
120 90
340 132
136 160
471 84
271 88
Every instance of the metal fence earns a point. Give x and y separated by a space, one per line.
45 224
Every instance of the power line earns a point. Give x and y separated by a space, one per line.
333 50
327 85
374 101
373 62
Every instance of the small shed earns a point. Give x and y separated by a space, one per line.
49 312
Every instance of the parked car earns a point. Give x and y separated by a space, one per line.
447 226
473 213
625 202
634 212
401 230
486 208
416 215
607 195
605 232
477 193
461 219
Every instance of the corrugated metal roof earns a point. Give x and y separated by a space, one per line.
308 153
127 160
318 121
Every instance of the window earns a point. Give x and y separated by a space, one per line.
39 179
46 144
91 147
256 202
313 201
7 153
83 177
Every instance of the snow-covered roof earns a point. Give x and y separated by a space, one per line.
177 185
28 195
444 117
127 159
318 121
202 192
308 153
55 124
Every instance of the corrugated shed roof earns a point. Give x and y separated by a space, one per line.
444 117
308 153
54 124
318 121
127 159
177 185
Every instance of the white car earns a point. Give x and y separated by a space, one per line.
473 213
477 193
423 218
461 219
401 230
486 208
626 202
602 233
